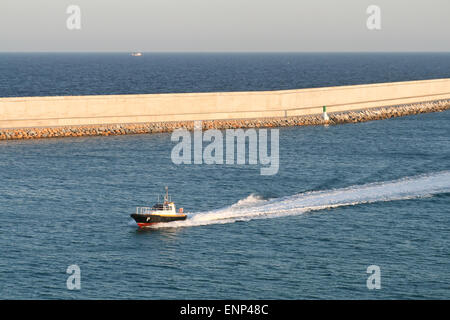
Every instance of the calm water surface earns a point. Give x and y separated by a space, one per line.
47 74
68 201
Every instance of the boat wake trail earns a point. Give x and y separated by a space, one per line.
254 207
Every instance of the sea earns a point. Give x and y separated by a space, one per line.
347 199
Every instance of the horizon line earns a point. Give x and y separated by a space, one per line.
169 51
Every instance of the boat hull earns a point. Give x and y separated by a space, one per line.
147 220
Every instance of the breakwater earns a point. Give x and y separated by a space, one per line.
340 117
68 116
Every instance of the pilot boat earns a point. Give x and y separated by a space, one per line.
159 213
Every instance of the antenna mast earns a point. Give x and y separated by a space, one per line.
166 197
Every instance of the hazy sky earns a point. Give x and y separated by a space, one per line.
225 25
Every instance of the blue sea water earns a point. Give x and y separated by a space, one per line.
345 197
44 74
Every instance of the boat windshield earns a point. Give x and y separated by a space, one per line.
158 206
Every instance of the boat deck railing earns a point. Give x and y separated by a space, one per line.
149 210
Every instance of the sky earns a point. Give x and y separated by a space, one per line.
224 26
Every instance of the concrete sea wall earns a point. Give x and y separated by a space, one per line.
157 127
119 114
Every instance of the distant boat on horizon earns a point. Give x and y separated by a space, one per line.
136 54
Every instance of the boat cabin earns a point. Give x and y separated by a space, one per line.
166 207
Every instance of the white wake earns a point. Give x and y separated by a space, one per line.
254 207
